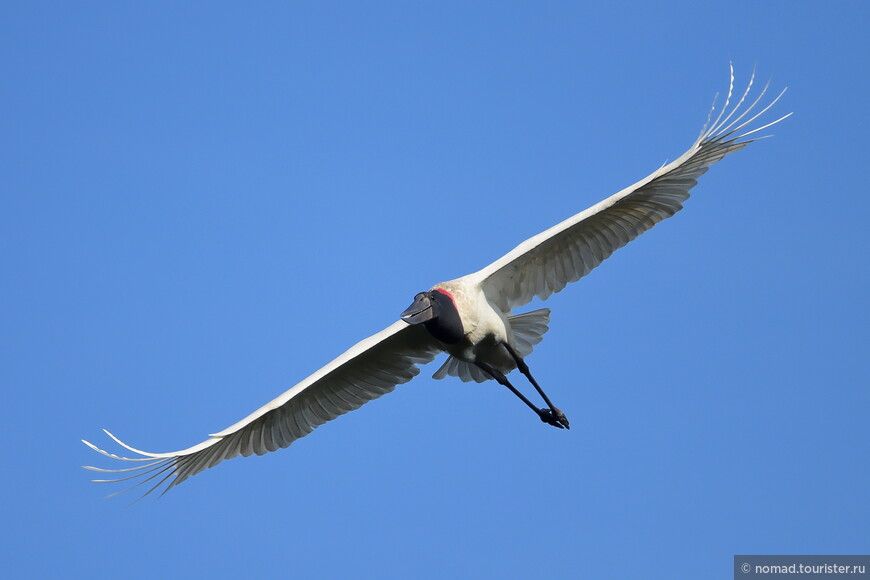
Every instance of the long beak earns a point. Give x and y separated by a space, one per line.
420 311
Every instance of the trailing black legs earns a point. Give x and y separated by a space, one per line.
552 416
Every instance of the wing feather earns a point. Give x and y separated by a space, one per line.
371 368
546 263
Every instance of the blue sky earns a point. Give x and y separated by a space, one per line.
204 204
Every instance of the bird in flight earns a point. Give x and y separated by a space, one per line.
470 318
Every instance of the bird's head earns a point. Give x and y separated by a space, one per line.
436 310
424 308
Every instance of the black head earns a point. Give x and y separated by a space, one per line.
436 310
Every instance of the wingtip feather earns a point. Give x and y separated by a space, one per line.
153 466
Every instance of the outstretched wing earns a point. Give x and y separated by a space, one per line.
369 369
546 263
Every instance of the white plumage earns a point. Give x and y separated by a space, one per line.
538 267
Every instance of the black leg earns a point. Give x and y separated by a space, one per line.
524 368
547 416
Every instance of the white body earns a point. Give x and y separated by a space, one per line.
485 326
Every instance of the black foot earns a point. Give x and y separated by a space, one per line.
554 417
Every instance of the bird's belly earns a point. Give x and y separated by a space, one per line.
488 351
495 355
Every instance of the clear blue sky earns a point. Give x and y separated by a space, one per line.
204 204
